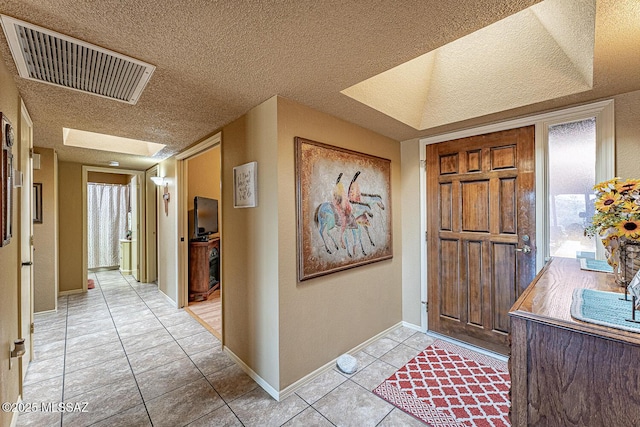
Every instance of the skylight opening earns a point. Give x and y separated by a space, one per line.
541 53
111 143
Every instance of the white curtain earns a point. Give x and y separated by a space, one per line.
107 207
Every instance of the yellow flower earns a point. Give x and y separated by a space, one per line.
608 201
630 206
628 186
606 186
629 228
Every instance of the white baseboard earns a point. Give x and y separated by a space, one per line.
288 391
14 417
172 302
55 310
71 292
412 326
257 378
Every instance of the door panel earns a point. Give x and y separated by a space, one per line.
484 206
449 278
26 233
474 282
135 228
475 206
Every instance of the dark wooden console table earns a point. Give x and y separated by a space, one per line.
204 268
565 372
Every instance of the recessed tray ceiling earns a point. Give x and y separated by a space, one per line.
541 53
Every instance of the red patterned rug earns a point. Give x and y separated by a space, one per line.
447 385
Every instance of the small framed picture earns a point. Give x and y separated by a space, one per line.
37 203
245 185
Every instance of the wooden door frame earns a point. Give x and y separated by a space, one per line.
183 217
25 165
151 215
604 113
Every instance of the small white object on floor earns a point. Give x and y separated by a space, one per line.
347 363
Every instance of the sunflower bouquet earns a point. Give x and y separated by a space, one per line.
618 209
617 219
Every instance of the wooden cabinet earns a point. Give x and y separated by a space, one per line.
204 269
125 256
565 372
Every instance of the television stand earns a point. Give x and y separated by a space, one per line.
204 268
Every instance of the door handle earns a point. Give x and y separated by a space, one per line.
27 263
526 249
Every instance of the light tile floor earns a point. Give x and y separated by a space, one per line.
138 361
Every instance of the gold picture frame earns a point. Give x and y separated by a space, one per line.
343 203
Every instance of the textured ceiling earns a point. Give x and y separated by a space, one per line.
217 60
499 67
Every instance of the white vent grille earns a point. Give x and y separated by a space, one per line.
54 58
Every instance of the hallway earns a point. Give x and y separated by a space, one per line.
137 361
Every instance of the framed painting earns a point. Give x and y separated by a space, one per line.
245 185
37 203
343 203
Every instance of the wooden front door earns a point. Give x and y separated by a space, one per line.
481 233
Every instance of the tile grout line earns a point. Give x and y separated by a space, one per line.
64 355
194 364
186 354
125 353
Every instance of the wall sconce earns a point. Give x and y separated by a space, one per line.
160 181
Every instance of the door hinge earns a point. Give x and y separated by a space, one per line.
32 328
423 163
426 305
31 240
426 236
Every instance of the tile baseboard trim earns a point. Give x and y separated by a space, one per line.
288 391
71 292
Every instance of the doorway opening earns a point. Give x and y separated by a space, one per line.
201 206
586 128
117 243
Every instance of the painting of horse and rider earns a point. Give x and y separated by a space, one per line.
343 208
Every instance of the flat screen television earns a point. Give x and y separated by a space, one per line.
205 217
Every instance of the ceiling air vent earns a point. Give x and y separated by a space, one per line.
54 58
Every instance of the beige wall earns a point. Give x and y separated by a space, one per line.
167 234
411 261
70 223
322 318
45 282
108 178
204 175
9 264
627 111
249 252
280 328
